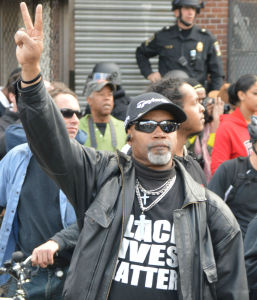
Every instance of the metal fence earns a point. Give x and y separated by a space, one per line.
242 40
8 25
11 20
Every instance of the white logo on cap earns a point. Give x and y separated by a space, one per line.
126 121
142 103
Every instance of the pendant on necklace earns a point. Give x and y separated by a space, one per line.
142 223
144 198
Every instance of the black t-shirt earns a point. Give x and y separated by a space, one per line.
101 127
39 215
147 266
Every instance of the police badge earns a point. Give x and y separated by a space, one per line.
199 47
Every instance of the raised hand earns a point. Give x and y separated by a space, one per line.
29 43
218 109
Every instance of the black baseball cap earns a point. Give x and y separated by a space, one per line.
142 104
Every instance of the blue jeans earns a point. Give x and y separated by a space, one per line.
45 285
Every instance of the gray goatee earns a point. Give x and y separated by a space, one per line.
160 158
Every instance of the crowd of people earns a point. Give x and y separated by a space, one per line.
149 197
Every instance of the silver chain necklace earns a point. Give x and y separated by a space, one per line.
156 191
165 188
168 185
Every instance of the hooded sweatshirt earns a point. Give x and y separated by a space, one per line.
232 139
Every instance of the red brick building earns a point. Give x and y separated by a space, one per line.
215 18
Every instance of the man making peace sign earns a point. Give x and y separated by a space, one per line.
148 230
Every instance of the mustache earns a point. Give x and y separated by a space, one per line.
158 144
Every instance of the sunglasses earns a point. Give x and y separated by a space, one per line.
68 113
149 126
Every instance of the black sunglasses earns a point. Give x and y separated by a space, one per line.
149 126
68 113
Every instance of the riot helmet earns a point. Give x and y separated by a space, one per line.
107 69
192 3
104 71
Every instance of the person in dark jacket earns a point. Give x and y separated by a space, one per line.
183 46
235 181
250 246
5 99
10 114
9 117
148 230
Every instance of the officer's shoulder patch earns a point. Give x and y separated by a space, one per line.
204 31
217 48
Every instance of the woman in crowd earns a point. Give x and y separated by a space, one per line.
232 138
235 181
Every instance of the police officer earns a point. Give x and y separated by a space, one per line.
183 46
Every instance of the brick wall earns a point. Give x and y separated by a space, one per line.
214 17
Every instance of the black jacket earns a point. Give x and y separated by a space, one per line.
239 174
7 119
250 245
2 109
101 186
121 102
197 54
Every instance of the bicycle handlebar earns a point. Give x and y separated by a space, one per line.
19 269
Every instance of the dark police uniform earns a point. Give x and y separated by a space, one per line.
195 51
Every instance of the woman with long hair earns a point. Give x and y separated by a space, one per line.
232 137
